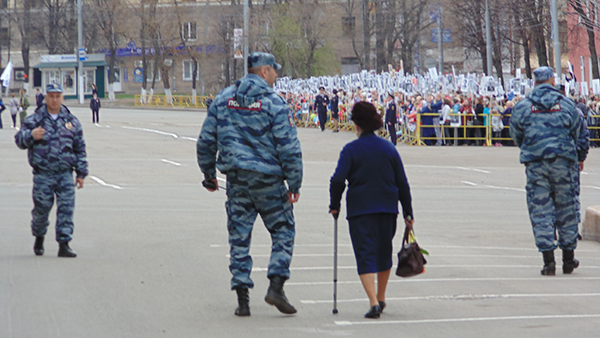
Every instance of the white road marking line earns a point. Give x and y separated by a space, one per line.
104 184
436 254
189 138
443 266
447 167
459 297
493 186
152 131
504 188
171 162
591 187
462 247
221 179
462 320
452 280
295 245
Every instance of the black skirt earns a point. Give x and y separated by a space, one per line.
372 236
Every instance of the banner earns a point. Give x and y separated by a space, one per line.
238 37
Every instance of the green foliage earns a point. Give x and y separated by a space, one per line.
295 48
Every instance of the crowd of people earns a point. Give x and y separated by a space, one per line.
451 119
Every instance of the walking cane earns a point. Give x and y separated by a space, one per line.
335 246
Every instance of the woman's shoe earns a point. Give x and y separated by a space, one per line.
382 305
374 313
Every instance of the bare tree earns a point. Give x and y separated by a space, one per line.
410 26
110 16
588 16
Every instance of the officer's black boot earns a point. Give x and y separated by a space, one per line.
65 251
276 296
38 247
569 261
549 264
243 309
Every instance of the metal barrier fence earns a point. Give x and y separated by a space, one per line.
181 101
464 133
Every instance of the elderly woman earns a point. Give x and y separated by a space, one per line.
376 181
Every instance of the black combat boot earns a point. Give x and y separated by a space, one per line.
549 264
569 261
243 309
38 247
65 251
276 296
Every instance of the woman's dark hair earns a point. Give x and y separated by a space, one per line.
364 114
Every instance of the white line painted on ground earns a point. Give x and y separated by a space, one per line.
189 138
462 320
468 183
152 131
221 179
453 280
459 297
446 167
171 162
104 184
429 266
461 247
591 187
504 188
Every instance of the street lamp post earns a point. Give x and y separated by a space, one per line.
79 56
488 38
557 61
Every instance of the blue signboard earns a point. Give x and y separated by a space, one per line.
138 75
447 35
132 50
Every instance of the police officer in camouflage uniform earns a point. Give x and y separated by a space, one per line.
55 147
250 131
546 126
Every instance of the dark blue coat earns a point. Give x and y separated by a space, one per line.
375 175
334 104
390 113
321 102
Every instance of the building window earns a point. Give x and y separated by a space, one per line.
188 30
348 25
51 76
188 69
89 78
4 37
150 71
3 3
68 82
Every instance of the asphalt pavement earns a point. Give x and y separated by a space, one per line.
153 252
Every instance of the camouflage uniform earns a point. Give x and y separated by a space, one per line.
252 130
53 159
546 126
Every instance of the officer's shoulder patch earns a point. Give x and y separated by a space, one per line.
554 109
233 104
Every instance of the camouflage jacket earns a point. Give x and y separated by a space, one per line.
251 128
545 125
61 149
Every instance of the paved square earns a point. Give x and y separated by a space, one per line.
152 247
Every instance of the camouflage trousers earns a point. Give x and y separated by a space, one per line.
45 187
248 194
553 202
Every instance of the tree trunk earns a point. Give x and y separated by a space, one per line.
593 54
366 34
527 57
380 35
26 38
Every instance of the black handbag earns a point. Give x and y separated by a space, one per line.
410 258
